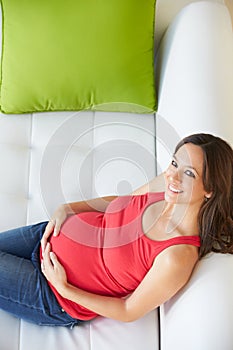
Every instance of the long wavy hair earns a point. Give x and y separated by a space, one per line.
215 219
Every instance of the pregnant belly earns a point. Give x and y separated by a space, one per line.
78 248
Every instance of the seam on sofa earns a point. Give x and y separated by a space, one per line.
159 328
29 165
90 336
20 335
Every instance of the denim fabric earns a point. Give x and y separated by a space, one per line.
24 291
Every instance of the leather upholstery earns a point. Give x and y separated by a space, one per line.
49 158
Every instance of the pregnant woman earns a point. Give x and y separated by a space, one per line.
121 257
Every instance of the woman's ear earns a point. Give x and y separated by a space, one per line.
208 195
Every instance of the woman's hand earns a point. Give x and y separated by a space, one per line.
53 270
54 225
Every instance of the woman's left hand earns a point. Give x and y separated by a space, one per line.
53 270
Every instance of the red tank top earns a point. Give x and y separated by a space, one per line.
108 253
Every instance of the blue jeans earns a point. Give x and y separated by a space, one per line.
24 291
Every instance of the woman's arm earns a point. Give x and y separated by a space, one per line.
98 204
170 272
65 210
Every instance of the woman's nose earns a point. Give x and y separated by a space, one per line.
174 176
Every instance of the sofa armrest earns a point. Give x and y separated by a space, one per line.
195 84
195 75
201 315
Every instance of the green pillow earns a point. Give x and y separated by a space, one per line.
78 54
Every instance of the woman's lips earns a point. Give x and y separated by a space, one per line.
174 189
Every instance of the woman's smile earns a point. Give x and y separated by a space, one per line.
174 189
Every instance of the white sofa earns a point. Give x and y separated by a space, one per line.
50 158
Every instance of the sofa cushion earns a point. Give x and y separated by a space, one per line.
75 55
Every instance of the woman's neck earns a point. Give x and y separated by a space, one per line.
181 217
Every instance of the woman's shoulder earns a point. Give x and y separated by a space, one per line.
183 255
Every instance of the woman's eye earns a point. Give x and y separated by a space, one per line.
174 163
190 173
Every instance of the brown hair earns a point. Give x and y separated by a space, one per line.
215 217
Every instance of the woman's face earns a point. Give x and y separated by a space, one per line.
184 176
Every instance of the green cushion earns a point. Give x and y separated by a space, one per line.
78 54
